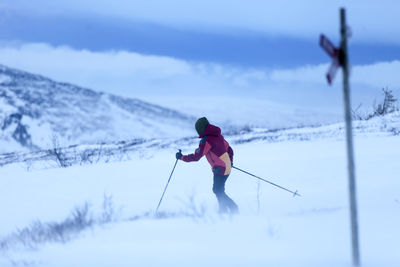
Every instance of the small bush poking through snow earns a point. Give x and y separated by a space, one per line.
80 219
58 154
39 232
388 105
108 214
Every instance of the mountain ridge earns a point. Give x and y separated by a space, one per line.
35 110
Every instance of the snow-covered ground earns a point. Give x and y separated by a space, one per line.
272 229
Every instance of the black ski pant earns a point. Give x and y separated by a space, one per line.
226 204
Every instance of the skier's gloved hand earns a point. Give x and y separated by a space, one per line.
178 155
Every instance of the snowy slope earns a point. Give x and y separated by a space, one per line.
273 229
34 109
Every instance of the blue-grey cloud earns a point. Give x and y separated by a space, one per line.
249 49
372 21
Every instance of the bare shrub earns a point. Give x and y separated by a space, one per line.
38 232
94 155
388 105
57 153
86 156
258 196
80 219
109 213
394 131
191 209
356 114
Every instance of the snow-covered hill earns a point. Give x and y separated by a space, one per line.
34 111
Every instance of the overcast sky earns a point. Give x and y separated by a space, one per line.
227 47
250 33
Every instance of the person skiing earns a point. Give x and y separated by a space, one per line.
220 156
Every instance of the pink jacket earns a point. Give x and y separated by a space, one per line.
216 149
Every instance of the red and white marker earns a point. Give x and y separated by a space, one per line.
334 53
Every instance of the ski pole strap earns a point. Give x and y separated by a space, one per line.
281 187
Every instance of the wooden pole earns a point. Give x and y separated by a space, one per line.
343 58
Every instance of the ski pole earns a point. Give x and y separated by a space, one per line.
165 189
294 193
